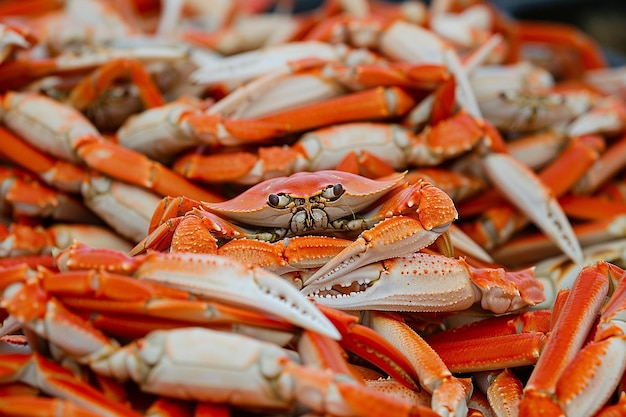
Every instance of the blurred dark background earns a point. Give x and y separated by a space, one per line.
603 20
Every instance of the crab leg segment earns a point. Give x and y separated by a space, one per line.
363 341
480 346
423 282
380 102
450 394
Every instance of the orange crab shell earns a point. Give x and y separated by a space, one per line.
251 207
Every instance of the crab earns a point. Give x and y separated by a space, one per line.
307 220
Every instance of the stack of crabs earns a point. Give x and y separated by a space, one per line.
366 209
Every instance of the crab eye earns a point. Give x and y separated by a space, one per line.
278 200
332 192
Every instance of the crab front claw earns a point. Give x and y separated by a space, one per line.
413 218
422 282
229 281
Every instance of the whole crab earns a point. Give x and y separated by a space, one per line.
309 219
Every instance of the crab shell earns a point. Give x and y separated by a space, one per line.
251 207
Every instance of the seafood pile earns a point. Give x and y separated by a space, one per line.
364 209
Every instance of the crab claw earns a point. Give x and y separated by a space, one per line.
229 281
422 282
523 189
412 219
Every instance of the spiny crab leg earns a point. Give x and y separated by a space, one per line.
426 283
449 394
369 345
600 376
217 277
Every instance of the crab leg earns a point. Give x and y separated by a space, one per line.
379 102
23 240
31 406
299 253
598 378
245 66
546 213
14 37
89 88
237 284
535 247
565 340
57 381
479 346
29 197
60 174
560 35
363 341
608 165
450 394
394 147
578 207
112 293
559 175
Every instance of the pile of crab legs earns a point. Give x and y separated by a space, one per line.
129 142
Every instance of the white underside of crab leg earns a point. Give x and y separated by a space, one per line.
523 189
225 280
